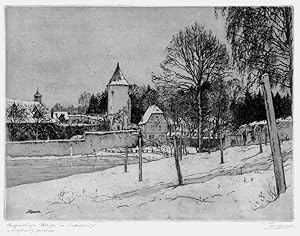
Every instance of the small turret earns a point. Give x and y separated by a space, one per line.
37 96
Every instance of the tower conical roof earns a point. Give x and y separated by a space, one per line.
118 77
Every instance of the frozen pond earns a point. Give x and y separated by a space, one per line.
31 170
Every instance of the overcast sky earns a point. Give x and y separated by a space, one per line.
65 51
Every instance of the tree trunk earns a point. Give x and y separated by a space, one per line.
191 139
179 175
126 159
274 140
37 134
200 122
140 160
288 15
221 149
291 78
266 135
180 148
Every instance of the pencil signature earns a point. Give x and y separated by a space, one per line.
279 226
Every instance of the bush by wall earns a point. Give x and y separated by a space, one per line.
46 131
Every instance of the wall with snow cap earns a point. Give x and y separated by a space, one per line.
285 132
92 142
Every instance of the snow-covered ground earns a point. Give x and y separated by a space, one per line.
240 189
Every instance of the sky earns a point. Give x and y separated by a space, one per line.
65 51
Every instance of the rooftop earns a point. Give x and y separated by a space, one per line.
10 101
57 114
29 109
151 110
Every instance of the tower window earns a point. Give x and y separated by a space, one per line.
112 92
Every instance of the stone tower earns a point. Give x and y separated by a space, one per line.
119 104
37 96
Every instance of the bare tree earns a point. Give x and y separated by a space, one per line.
84 99
262 42
195 56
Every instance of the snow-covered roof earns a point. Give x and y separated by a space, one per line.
118 78
288 119
254 124
29 110
264 122
57 114
10 101
151 110
86 116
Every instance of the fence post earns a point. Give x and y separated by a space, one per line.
71 150
274 139
140 160
180 181
260 142
221 149
126 158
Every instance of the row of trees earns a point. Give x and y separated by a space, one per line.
141 98
251 108
45 131
87 104
222 102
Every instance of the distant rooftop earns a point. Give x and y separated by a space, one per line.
10 101
29 107
151 110
57 114
118 78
